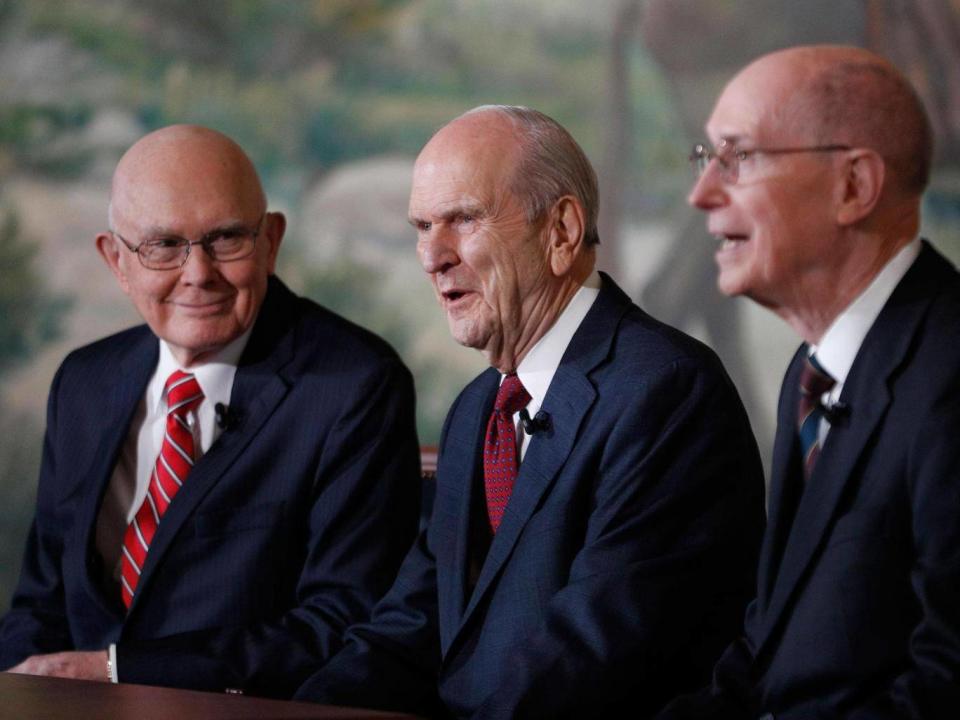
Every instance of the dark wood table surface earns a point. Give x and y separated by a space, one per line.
24 697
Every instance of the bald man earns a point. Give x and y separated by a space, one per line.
599 498
813 185
226 488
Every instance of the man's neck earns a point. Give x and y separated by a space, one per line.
547 309
821 300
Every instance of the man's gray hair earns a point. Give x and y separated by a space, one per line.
552 165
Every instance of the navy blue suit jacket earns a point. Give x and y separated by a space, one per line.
624 559
857 612
287 531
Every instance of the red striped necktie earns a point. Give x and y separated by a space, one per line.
170 471
500 459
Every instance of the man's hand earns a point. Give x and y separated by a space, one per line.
75 665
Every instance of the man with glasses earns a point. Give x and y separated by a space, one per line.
226 488
813 189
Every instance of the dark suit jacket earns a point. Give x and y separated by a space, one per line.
857 612
287 531
625 554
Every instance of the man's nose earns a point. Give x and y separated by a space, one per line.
708 192
436 252
199 267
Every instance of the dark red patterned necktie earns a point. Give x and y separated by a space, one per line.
500 456
814 382
173 464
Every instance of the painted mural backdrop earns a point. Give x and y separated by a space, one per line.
333 99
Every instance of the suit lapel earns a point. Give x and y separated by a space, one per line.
568 399
867 393
115 415
258 388
458 469
785 483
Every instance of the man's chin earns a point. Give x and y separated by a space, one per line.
731 282
468 335
195 348
726 289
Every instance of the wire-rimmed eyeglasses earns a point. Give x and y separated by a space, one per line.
729 156
170 252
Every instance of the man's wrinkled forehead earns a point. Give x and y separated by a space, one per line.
475 156
483 141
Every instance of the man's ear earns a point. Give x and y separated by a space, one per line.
109 249
274 225
566 227
862 184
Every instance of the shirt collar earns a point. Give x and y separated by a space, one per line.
215 376
537 369
839 346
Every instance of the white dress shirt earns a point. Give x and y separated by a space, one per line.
841 342
537 369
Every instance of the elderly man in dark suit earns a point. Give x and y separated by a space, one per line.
820 156
227 488
600 499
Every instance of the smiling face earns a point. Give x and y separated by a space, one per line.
489 267
187 182
776 223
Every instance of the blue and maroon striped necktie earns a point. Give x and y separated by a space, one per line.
814 382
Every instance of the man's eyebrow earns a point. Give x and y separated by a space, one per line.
477 211
473 209
730 139
158 231
228 226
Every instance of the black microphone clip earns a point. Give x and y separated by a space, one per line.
837 414
227 417
537 423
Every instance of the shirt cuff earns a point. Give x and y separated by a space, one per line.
112 650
